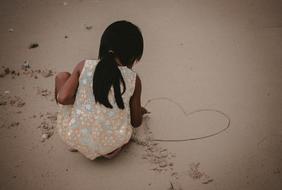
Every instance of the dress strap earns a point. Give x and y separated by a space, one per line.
133 82
83 69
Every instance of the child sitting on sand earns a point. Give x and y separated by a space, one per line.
100 102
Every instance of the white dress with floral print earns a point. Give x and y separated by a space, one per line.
90 127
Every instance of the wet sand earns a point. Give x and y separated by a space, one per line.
221 56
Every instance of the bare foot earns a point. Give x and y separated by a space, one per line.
72 149
112 154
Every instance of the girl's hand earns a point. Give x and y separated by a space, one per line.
144 111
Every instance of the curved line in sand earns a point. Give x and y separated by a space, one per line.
187 114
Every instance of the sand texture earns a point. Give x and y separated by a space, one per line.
211 77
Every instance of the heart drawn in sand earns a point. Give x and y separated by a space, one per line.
172 123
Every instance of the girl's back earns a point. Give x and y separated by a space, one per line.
90 127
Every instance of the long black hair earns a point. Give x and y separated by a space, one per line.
122 40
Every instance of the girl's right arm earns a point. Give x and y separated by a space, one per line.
136 111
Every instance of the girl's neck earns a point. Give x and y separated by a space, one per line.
120 64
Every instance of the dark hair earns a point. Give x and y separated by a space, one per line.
123 40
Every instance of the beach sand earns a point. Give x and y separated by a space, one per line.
199 55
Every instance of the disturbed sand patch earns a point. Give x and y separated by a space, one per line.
48 119
161 159
25 70
47 124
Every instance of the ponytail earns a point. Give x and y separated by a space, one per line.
106 75
121 39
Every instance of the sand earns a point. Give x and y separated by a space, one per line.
203 55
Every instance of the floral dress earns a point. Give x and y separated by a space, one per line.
90 127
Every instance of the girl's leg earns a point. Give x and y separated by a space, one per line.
115 152
60 80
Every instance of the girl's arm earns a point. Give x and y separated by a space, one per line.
67 93
136 110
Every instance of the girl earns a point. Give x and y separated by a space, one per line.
100 102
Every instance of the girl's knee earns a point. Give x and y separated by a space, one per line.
62 75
